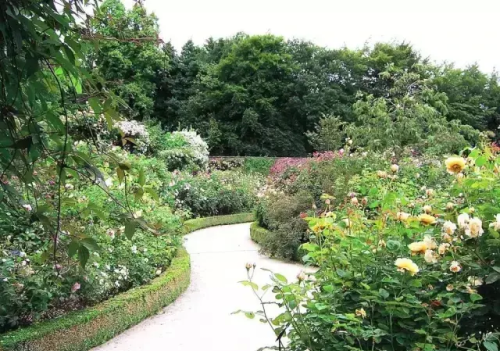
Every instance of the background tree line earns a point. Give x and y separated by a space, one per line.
264 95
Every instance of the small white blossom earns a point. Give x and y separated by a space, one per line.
134 249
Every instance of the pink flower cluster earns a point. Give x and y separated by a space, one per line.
284 163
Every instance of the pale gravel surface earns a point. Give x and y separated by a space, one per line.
200 319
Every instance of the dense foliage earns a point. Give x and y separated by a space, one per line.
406 260
89 206
263 95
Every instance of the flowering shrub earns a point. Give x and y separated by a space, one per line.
134 136
85 124
97 256
401 266
210 194
183 149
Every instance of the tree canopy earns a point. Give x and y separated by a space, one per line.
263 94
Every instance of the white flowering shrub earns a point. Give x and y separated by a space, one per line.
134 135
184 149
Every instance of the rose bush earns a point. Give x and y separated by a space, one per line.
409 268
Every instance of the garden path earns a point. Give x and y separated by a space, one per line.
201 319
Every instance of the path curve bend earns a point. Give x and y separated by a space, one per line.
200 319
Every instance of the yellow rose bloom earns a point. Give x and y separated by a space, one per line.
427 219
455 165
361 313
418 246
405 264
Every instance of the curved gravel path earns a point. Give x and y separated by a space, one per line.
200 319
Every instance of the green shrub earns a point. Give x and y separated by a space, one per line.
260 165
284 222
180 150
216 193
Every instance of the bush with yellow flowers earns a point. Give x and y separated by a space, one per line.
405 267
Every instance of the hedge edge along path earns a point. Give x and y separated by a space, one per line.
258 234
200 223
82 330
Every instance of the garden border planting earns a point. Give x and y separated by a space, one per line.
84 329
257 233
205 222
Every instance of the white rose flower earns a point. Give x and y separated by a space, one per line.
449 227
463 220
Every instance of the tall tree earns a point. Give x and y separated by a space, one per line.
473 96
128 56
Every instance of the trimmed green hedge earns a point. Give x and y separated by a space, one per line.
200 223
257 233
82 330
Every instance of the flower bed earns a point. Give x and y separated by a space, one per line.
87 328
84 329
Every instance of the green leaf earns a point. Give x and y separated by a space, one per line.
481 161
250 315
142 177
126 166
83 255
138 194
153 193
328 288
69 54
90 244
130 227
492 278
383 293
121 174
95 104
73 248
281 278
490 346
475 297
249 283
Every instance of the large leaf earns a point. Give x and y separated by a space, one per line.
83 255
130 227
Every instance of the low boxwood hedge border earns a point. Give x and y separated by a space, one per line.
82 330
200 223
257 233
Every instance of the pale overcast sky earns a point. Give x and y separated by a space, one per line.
461 31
